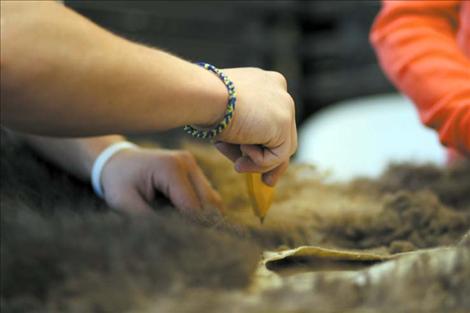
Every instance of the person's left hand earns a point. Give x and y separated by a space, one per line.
131 177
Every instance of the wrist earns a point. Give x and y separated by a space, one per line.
216 128
102 160
214 91
92 147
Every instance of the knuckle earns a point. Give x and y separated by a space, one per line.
190 159
290 102
290 107
115 200
185 158
294 147
172 162
256 70
186 155
180 155
286 121
287 102
279 77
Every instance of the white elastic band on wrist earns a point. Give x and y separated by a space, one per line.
101 160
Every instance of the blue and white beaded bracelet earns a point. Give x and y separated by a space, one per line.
232 99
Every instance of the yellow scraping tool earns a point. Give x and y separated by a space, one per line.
261 195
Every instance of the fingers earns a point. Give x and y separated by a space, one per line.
248 158
273 162
231 151
130 201
209 198
271 178
245 165
190 190
259 159
255 158
182 192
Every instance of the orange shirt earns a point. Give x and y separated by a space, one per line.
424 48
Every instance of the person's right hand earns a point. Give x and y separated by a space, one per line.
262 134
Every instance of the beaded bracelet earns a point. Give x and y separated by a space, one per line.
232 99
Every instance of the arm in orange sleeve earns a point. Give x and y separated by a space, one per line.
417 47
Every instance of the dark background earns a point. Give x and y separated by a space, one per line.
321 47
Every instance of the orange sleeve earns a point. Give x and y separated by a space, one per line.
417 47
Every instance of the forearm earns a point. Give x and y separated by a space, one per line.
417 48
75 156
62 75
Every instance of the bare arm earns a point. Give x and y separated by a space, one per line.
416 43
74 155
62 75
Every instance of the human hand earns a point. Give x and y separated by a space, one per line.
131 177
262 134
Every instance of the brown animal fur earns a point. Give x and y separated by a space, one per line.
63 250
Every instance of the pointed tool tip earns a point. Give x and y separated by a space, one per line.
261 219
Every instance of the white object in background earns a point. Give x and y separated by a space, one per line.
361 137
